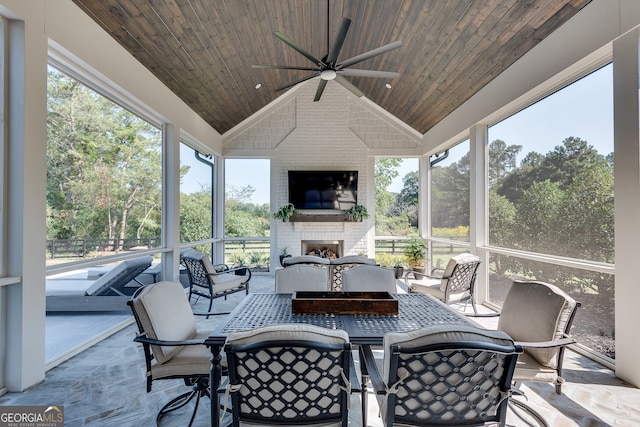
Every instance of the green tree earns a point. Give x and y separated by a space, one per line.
195 215
243 218
386 170
502 160
103 166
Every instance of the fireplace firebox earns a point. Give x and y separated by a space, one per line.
330 249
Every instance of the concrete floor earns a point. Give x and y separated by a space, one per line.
104 385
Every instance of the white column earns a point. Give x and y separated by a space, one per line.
171 203
26 203
627 203
478 209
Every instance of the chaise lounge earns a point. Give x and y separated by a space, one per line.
110 292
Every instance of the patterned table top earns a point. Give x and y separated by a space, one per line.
414 311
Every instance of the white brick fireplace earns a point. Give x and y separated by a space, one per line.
340 132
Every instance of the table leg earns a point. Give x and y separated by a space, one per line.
215 374
365 379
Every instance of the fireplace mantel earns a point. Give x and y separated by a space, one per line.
320 218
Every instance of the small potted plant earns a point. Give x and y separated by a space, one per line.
357 213
398 265
415 252
285 212
284 253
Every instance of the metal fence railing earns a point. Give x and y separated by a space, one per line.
82 248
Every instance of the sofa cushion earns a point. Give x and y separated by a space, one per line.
302 277
305 259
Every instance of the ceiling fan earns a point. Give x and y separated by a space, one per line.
330 68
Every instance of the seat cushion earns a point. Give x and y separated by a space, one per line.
429 287
225 281
189 360
165 314
529 369
534 312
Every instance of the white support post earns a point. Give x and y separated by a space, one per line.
626 113
479 210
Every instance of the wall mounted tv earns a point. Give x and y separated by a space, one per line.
323 189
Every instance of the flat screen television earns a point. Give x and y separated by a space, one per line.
323 189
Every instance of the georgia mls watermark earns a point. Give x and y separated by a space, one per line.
31 416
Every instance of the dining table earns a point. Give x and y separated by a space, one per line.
415 311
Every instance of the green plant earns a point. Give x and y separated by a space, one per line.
255 258
415 252
385 259
398 262
284 250
357 213
238 258
285 212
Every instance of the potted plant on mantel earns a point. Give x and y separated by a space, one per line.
285 212
415 251
357 213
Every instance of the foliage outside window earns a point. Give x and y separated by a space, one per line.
551 192
450 194
396 208
196 197
247 213
396 214
104 180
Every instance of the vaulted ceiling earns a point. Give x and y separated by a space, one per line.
203 50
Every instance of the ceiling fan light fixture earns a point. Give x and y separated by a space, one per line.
328 75
387 85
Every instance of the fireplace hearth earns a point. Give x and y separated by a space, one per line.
330 249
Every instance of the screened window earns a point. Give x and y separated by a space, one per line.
247 221
396 214
551 173
551 193
196 197
450 193
104 174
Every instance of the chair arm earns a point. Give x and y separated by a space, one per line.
562 342
146 340
437 273
417 275
372 370
353 377
209 313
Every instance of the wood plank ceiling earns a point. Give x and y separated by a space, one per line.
203 49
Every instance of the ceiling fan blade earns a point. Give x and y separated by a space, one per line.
332 57
370 54
369 73
298 81
349 86
321 86
285 67
300 50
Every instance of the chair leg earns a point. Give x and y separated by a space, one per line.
526 408
200 388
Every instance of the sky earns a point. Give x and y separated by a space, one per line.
583 109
